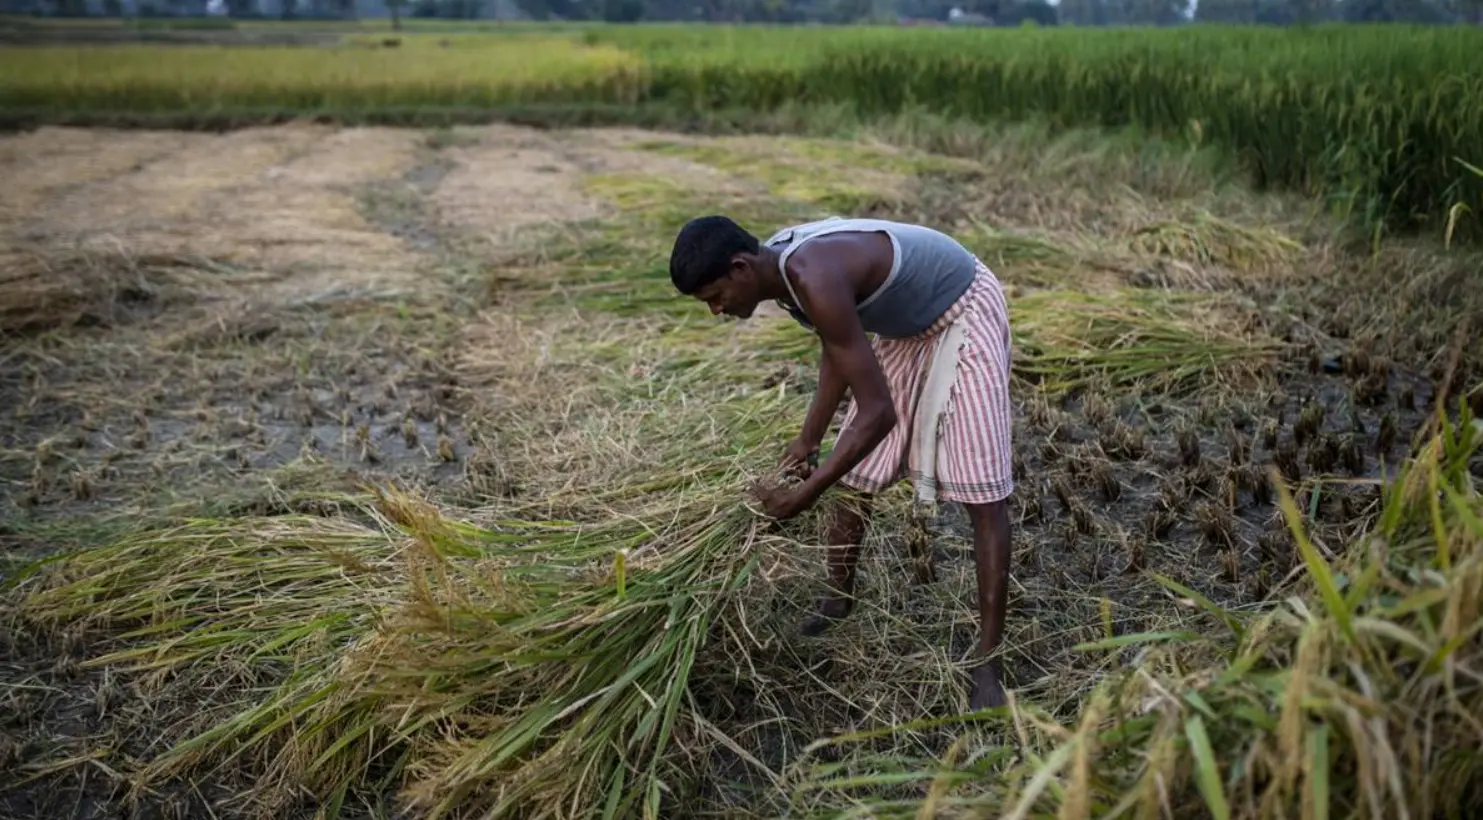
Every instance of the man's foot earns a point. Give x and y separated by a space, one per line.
988 693
830 610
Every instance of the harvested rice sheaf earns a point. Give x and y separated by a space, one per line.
524 668
1153 340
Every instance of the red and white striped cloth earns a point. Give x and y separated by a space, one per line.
951 390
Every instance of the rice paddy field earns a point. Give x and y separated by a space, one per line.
358 460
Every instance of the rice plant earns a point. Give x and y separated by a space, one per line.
1147 340
346 79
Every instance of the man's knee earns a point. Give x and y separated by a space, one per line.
987 511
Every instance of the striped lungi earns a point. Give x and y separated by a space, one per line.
950 386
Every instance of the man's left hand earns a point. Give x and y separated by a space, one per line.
783 503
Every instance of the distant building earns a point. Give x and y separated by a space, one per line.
956 16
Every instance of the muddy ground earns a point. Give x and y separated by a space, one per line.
226 323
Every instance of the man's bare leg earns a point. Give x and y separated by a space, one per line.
846 531
991 564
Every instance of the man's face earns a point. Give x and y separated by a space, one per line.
734 294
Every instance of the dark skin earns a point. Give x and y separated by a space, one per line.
830 275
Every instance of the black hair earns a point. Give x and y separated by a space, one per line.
703 250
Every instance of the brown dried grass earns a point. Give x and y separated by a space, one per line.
505 180
44 291
281 200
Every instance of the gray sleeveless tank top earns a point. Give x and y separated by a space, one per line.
928 274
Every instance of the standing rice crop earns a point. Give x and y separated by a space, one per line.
345 80
1369 119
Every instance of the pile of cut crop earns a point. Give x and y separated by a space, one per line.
522 666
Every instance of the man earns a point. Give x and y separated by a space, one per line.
929 399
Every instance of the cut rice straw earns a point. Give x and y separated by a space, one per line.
1206 239
1154 341
498 670
495 669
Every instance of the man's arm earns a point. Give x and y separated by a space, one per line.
827 397
830 304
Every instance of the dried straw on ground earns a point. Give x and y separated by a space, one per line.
530 665
545 668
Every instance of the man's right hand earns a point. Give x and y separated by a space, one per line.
800 457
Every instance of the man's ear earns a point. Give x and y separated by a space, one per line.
740 268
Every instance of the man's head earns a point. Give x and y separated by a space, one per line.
716 261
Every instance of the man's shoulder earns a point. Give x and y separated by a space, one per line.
786 234
848 248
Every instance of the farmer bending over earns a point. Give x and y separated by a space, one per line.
929 398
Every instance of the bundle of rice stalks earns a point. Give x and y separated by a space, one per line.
258 586
528 668
1156 341
1357 695
1033 260
50 290
1210 240
571 670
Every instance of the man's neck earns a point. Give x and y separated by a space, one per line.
770 274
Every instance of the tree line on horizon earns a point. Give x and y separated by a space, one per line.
838 12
